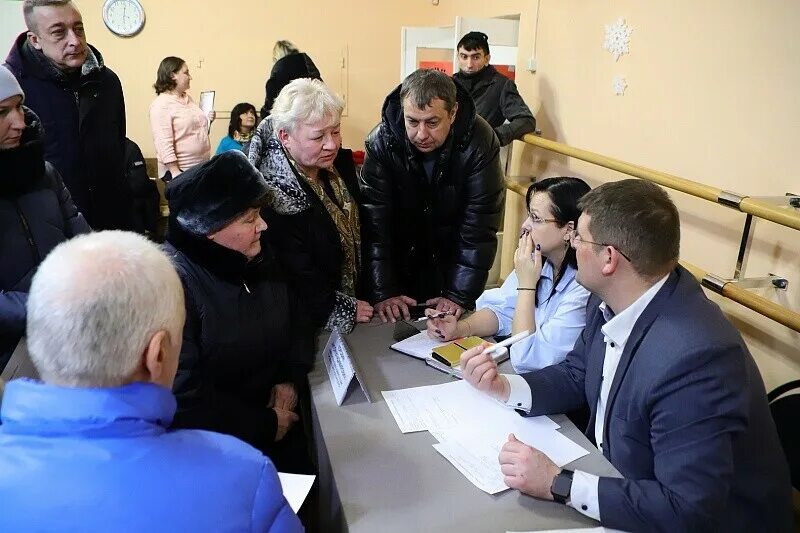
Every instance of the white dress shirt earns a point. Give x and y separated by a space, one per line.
616 332
559 318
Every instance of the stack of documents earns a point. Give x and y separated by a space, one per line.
471 429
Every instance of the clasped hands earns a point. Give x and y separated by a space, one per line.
283 400
524 467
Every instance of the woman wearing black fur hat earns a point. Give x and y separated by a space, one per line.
246 348
36 210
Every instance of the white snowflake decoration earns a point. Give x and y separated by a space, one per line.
618 38
619 84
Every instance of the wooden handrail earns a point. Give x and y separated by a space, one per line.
752 206
730 290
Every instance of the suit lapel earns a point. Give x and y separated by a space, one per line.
638 334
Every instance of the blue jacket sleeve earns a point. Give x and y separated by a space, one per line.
271 511
695 415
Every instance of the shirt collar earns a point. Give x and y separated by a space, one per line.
549 273
618 327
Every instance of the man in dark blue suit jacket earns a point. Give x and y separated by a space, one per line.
677 403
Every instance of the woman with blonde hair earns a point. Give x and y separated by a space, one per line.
312 201
288 63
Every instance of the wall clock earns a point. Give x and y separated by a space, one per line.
123 17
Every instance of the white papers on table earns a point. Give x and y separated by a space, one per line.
575 530
472 428
419 345
295 488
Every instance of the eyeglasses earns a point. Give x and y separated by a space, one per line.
536 220
576 238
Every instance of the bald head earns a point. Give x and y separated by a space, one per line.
96 303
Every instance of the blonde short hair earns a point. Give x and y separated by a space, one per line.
283 49
305 100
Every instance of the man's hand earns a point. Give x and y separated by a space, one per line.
527 469
394 308
364 311
285 421
480 371
284 396
448 306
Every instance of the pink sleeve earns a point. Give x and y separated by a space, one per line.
163 136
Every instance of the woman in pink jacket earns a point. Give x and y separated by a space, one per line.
179 126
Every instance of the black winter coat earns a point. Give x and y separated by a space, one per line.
243 335
497 100
286 69
36 214
84 131
308 247
429 238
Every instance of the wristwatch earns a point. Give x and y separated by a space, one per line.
562 485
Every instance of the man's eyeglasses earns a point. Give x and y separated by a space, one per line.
576 239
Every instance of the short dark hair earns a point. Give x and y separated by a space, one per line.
474 40
29 5
236 119
639 219
424 85
169 65
565 194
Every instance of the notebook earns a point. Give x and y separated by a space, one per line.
421 346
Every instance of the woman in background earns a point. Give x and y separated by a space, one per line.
289 64
240 129
541 294
179 126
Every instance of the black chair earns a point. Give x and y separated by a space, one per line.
784 402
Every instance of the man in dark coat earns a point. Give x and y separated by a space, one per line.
432 195
80 103
496 97
36 211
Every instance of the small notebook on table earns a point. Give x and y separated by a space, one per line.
444 357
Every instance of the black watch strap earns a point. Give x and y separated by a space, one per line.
562 486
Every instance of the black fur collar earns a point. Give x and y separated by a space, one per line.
224 262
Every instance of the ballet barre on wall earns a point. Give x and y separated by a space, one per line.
784 210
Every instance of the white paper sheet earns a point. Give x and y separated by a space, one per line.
295 488
454 404
419 345
475 464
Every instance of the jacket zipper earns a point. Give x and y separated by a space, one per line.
28 234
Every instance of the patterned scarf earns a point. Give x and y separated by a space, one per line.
345 218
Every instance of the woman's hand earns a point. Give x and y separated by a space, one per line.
442 329
285 421
528 262
212 115
364 311
285 396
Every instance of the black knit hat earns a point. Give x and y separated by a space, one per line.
207 197
473 41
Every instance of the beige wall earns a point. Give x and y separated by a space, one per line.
234 41
712 97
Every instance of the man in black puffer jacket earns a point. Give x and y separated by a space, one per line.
36 210
433 192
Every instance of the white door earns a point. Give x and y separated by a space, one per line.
416 42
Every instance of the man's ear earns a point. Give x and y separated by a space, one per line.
154 356
612 261
34 40
453 113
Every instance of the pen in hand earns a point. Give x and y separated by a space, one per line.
441 314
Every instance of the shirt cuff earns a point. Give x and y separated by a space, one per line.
583 495
520 396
